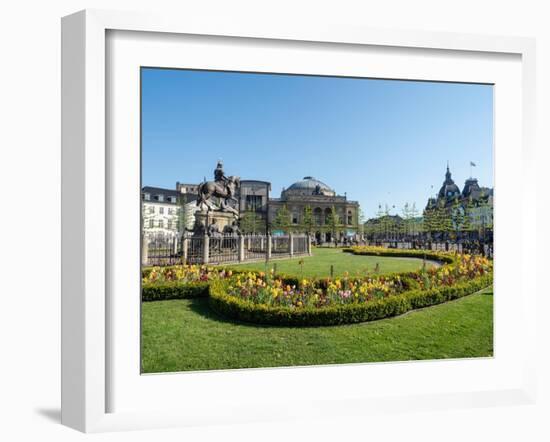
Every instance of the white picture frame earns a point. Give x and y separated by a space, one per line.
87 355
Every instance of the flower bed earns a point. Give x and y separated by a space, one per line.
183 274
283 300
445 257
264 298
246 311
186 281
259 288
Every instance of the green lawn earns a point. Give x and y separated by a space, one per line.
186 335
319 264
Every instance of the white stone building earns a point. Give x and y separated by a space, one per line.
161 213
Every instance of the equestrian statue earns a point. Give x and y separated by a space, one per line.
222 187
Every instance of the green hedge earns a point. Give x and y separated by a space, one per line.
403 253
173 290
247 311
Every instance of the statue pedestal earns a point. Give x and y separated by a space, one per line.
220 219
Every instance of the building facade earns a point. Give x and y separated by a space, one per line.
467 212
254 206
160 211
333 216
187 192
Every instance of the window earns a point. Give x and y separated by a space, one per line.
147 196
318 216
170 211
350 217
151 225
294 218
170 224
327 215
253 202
161 210
161 223
152 209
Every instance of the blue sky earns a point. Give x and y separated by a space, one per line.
380 141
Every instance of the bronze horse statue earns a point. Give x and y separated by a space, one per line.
223 190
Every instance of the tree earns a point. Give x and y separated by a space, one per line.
360 222
379 225
406 211
386 222
457 215
467 225
282 219
446 222
307 221
251 222
439 221
371 228
414 217
429 221
486 215
407 219
333 221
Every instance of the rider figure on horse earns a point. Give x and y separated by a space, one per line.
222 189
219 174
219 177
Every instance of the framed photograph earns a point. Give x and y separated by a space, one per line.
264 222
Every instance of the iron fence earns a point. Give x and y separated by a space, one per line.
280 245
255 247
162 250
193 249
223 248
299 245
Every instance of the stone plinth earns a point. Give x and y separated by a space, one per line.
219 219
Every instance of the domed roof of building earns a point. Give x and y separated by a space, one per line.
309 183
449 189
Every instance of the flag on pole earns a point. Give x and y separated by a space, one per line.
472 164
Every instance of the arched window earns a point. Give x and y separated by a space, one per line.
328 211
318 216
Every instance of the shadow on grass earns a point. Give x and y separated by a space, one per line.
202 307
